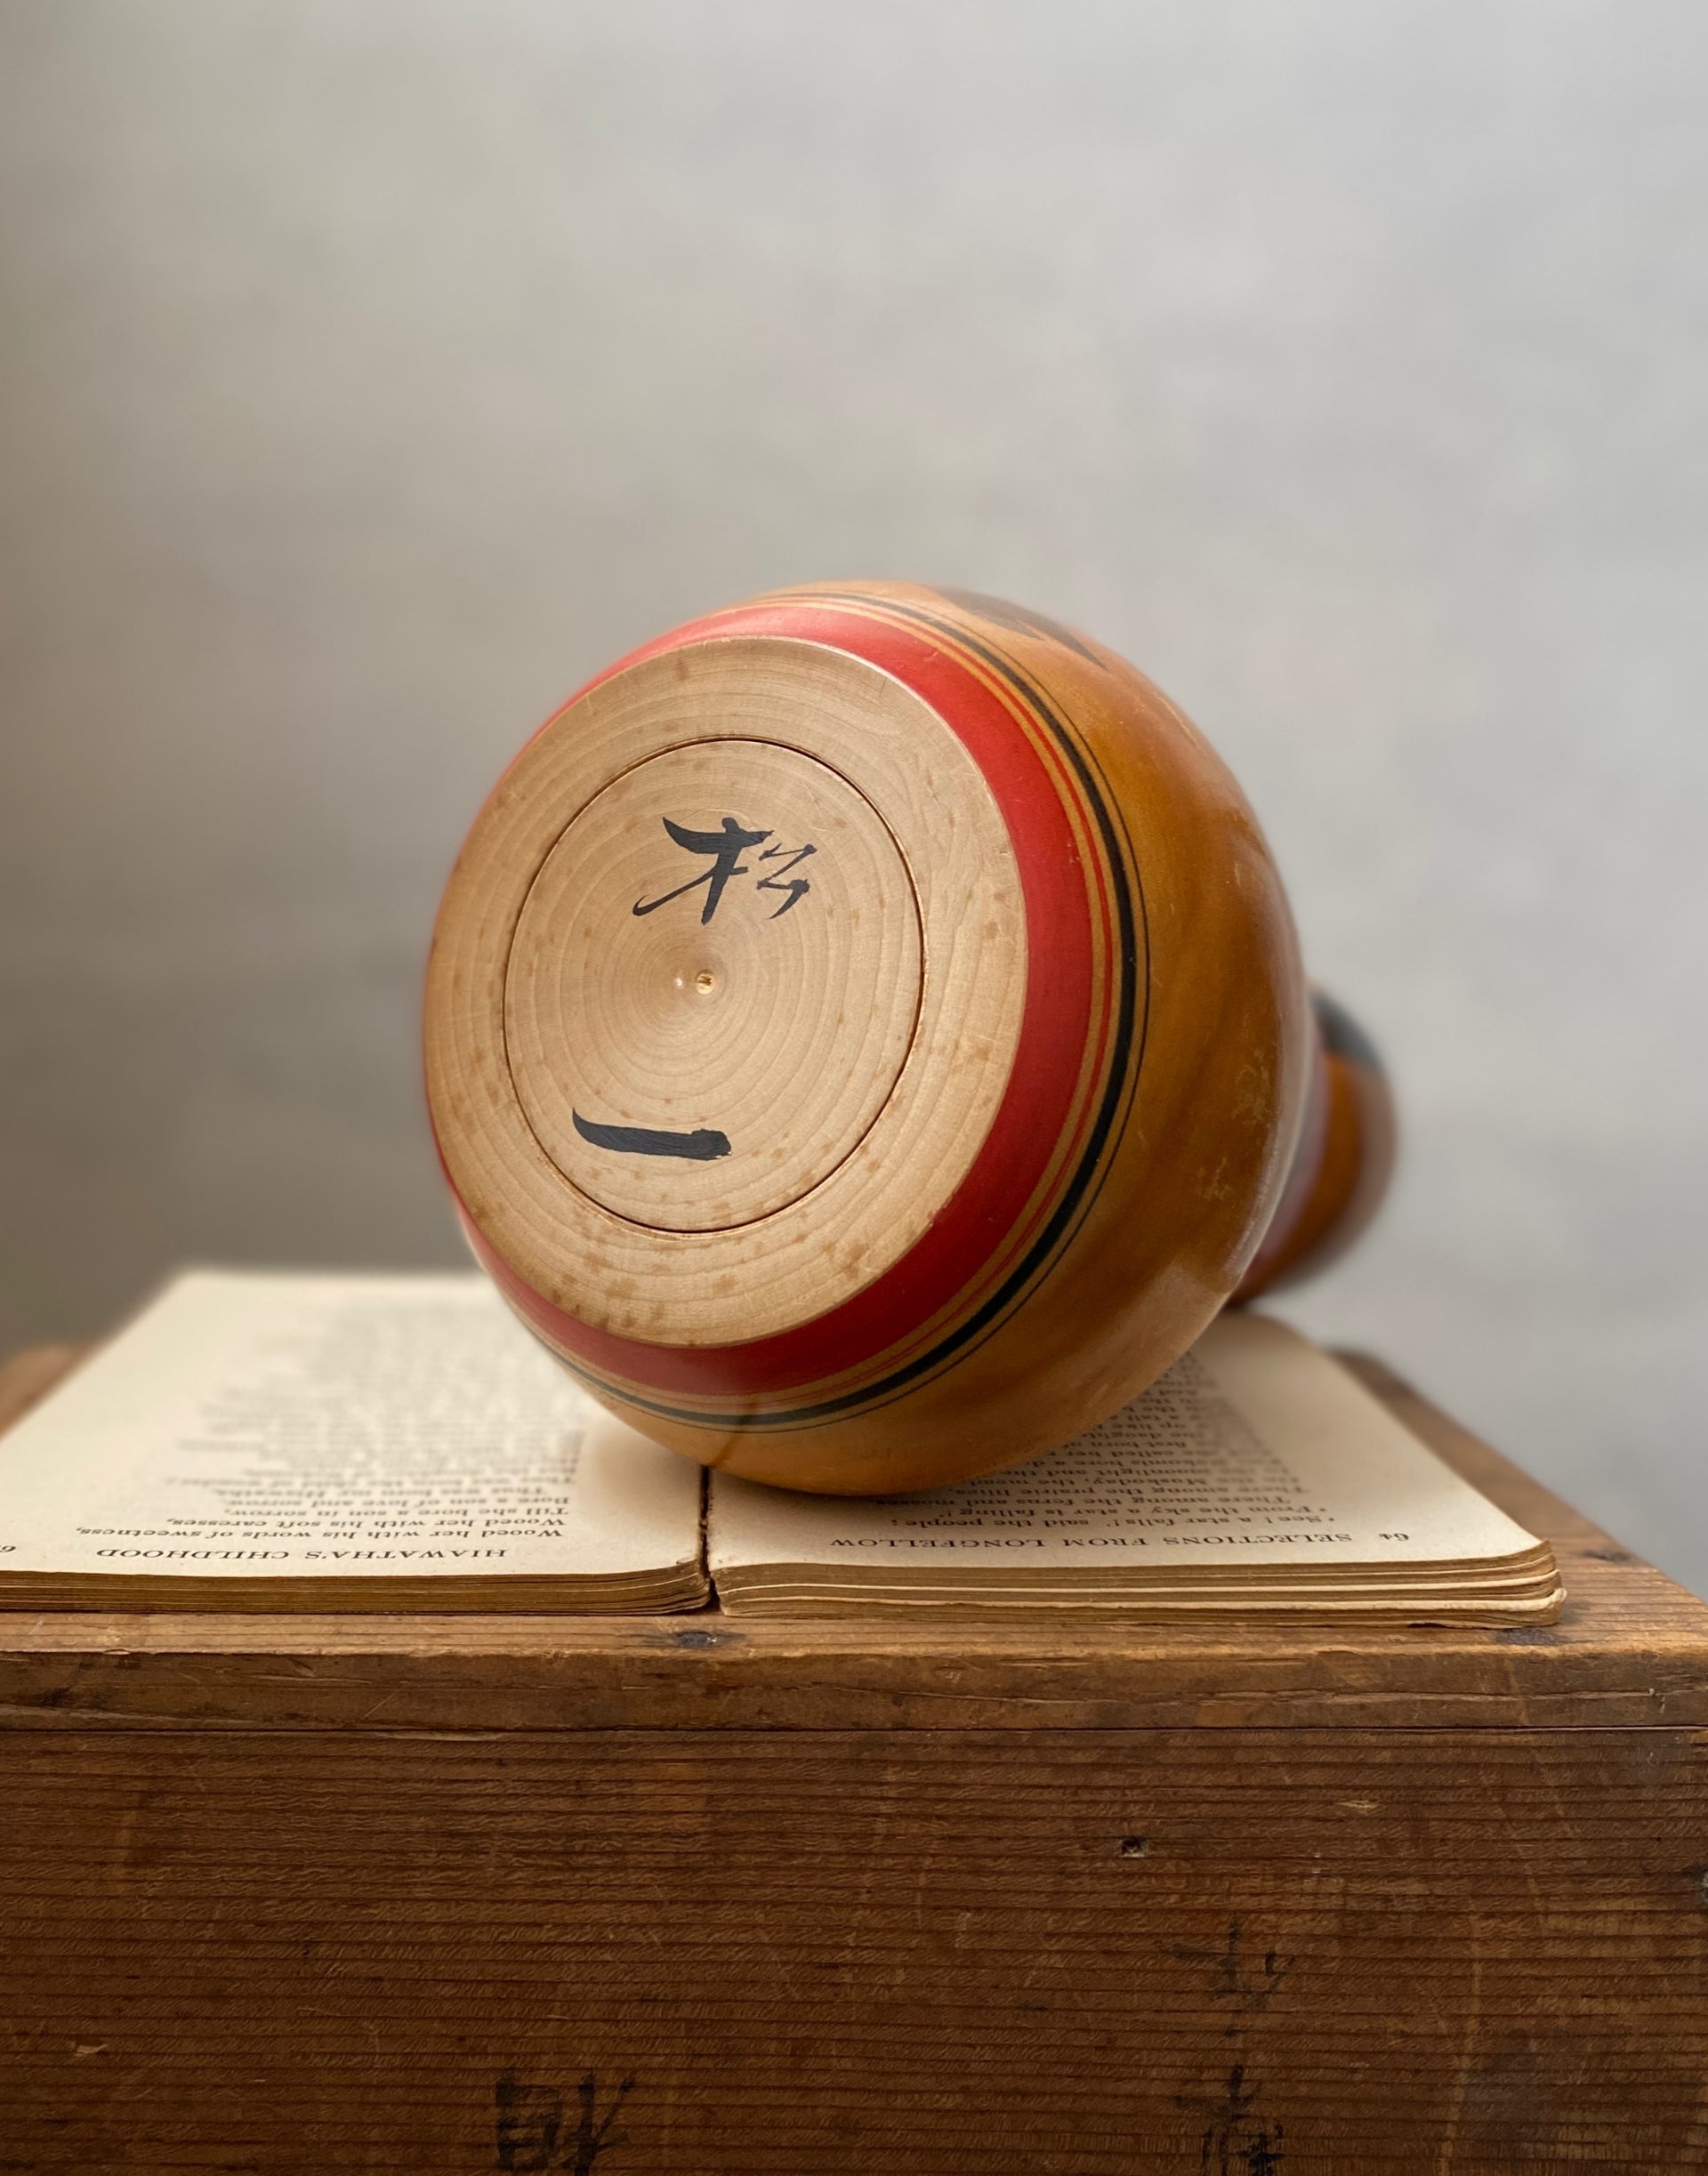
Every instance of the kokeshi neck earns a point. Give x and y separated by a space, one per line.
1344 1160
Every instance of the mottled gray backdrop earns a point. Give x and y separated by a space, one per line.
372 370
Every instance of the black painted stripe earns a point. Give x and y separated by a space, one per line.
700 1147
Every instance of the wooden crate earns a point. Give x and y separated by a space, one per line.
660 1897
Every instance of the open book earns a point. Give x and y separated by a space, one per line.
1256 1479
263 1441
260 1441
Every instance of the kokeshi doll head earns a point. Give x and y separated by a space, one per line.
865 1036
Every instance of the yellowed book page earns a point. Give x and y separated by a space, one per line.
953 1604
1255 1450
251 1425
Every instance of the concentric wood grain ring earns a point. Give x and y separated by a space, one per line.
713 984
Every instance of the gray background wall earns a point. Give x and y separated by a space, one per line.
372 370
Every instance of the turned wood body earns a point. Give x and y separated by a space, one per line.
866 1040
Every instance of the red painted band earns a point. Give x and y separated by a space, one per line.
1068 929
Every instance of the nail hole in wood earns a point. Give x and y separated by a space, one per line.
1134 1847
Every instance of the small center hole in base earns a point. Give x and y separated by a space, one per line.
705 982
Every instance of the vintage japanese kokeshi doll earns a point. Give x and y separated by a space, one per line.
867 1041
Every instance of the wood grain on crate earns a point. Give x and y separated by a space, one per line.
949 1953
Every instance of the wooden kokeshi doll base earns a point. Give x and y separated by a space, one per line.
669 1898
